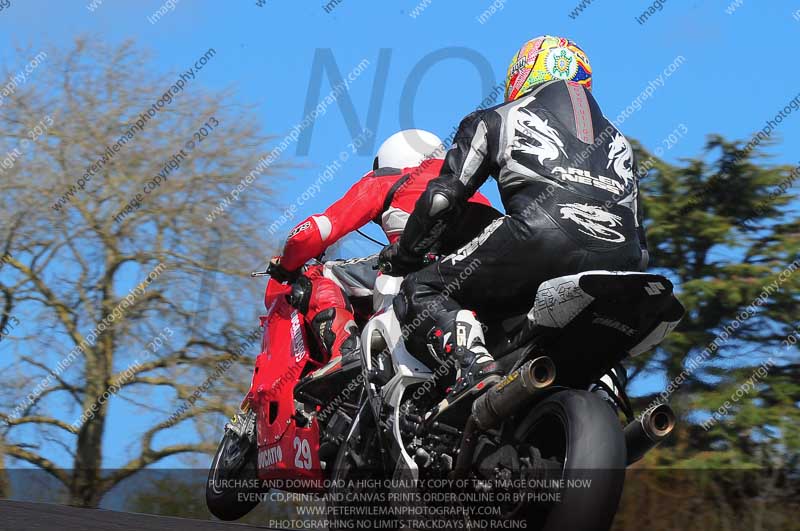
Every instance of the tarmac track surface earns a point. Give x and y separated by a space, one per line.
25 516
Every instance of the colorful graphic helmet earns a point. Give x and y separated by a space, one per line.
543 59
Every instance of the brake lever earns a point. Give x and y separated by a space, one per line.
266 273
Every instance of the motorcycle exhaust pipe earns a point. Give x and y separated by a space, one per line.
503 399
506 396
647 432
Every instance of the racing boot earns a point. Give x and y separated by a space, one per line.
338 337
461 343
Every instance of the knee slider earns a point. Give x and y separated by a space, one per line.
322 325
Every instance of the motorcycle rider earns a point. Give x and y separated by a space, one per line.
404 165
567 178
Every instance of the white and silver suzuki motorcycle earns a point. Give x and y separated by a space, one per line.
544 447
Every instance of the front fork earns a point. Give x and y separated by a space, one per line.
243 423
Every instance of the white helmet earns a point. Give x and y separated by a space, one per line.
408 149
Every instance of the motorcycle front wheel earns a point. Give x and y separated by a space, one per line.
230 491
582 432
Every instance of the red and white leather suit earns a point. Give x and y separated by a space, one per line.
386 196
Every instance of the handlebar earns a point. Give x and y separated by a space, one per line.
386 267
268 272
275 271
383 267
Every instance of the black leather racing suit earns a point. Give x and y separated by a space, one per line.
567 179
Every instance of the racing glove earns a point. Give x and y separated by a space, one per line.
280 273
394 260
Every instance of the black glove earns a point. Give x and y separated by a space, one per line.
396 262
279 273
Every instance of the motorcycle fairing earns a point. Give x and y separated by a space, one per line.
295 456
284 355
639 306
592 320
406 371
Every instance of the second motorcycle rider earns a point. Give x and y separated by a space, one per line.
406 162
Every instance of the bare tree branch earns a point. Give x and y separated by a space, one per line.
84 238
41 462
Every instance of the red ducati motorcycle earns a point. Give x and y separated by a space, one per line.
288 430
275 441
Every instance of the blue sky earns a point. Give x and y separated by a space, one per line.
737 73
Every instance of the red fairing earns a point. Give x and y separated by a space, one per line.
285 450
292 463
361 204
